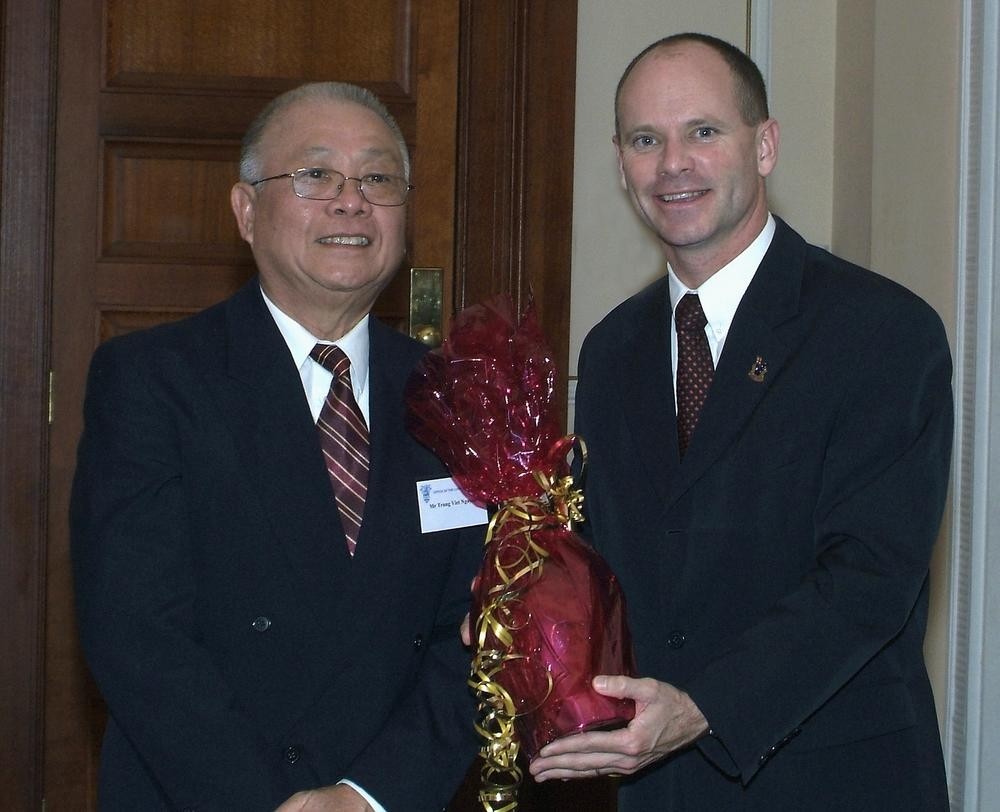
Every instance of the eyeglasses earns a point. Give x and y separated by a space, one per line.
316 183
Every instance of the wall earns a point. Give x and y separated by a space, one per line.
852 146
801 94
866 94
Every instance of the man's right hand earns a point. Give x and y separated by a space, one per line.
666 719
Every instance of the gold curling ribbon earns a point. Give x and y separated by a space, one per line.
559 504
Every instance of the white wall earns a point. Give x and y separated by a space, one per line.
801 98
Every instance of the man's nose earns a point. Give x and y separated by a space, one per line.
350 199
675 157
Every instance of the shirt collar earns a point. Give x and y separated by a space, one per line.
300 341
721 293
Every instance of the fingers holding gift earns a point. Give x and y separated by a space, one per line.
466 631
666 719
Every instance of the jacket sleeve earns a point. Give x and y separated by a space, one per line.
883 483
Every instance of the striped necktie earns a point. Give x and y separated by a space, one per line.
343 435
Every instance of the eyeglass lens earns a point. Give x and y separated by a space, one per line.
327 184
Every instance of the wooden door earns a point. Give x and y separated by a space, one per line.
152 98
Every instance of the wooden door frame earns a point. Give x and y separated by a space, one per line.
514 202
513 232
27 116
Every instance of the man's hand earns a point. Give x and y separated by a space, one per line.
666 719
338 798
466 631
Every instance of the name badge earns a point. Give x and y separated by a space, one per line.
443 506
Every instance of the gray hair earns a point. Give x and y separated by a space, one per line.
250 160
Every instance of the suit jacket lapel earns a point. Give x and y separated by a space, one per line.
276 437
752 359
387 374
647 388
390 551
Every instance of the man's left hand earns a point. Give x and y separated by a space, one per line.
338 798
666 719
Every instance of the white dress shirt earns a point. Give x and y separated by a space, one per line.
316 379
720 295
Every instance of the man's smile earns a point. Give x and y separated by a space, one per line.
682 196
359 240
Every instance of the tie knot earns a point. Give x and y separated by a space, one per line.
689 316
331 358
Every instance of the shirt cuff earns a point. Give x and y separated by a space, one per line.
371 801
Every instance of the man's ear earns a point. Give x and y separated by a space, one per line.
243 199
768 138
621 160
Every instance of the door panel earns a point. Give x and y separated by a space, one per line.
214 44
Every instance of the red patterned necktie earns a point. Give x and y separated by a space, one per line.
694 366
344 437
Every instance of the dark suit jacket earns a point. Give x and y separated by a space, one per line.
242 653
779 574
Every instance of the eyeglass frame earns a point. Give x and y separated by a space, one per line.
406 192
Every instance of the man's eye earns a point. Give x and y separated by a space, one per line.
643 141
316 174
705 132
376 179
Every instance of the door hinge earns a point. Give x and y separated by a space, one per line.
51 379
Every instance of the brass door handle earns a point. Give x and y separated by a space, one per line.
425 305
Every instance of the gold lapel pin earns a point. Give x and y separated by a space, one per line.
758 369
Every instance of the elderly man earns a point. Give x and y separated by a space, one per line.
766 475
267 619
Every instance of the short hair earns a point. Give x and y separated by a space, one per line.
751 94
250 160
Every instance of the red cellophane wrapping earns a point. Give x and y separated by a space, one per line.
548 613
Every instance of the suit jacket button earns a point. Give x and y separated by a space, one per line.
418 642
292 754
676 640
261 624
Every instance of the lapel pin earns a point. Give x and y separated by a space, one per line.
758 369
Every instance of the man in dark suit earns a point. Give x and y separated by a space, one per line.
773 542
257 649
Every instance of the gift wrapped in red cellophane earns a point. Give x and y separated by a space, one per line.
548 613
